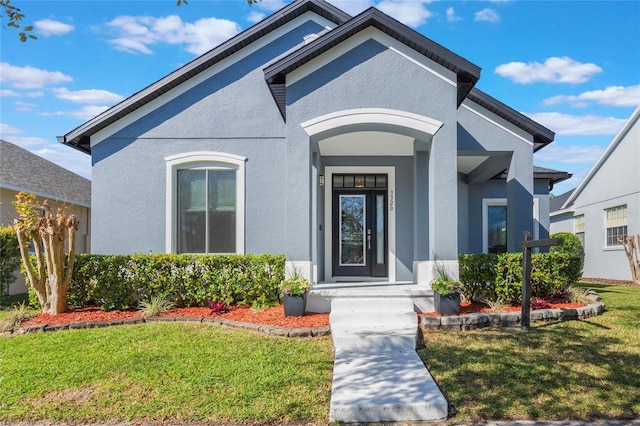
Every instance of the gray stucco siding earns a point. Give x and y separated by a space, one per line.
233 103
129 215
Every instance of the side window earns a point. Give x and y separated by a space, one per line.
616 224
205 203
578 228
494 215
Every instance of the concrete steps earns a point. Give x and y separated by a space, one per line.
377 374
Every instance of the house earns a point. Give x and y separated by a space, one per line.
20 170
605 206
355 146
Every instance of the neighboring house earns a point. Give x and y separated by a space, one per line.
605 206
357 147
20 170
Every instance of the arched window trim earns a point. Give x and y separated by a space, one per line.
203 160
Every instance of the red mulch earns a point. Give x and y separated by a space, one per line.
271 316
477 307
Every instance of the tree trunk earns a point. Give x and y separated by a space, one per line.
631 246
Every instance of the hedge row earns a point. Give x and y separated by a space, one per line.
9 257
493 276
120 281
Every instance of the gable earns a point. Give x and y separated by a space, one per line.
328 15
619 164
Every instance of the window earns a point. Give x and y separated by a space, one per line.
616 224
205 203
578 227
494 225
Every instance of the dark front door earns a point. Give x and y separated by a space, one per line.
360 227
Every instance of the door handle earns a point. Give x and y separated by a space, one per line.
369 239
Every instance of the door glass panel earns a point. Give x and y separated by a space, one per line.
497 229
352 229
380 248
192 221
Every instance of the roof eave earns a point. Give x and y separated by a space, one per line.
78 137
467 73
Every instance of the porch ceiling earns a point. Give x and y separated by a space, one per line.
367 143
466 164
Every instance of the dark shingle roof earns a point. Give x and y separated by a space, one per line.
556 203
21 170
541 135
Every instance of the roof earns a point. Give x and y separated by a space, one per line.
635 116
556 203
554 176
21 170
467 73
79 138
541 135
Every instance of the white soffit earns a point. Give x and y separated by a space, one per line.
367 143
468 163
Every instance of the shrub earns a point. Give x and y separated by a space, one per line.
119 282
9 257
478 275
15 317
156 305
573 248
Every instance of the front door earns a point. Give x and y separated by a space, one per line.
360 225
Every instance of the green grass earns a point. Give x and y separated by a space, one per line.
573 370
7 304
164 371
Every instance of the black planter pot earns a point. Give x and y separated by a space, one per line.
448 304
295 305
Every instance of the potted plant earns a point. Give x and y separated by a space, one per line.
295 291
446 297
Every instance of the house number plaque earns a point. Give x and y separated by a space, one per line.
391 200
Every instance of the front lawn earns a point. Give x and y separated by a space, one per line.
572 370
160 371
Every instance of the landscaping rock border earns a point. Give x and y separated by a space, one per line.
482 320
266 329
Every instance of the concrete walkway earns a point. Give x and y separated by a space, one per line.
377 375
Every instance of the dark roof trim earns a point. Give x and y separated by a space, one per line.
79 138
467 72
541 135
554 176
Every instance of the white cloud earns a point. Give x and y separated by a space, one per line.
573 154
353 7
566 124
6 93
89 96
553 70
451 15
613 95
255 17
49 27
29 77
136 34
85 113
6 129
24 106
411 13
487 15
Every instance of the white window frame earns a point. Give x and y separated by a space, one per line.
616 246
580 219
204 160
486 203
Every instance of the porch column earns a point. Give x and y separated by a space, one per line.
519 197
421 206
442 175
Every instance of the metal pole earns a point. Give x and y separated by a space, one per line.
526 284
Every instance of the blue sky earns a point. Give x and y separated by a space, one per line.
574 66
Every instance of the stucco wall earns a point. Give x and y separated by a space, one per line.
232 112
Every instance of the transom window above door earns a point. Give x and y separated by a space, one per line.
360 181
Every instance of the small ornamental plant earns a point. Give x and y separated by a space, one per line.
296 286
444 284
218 307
